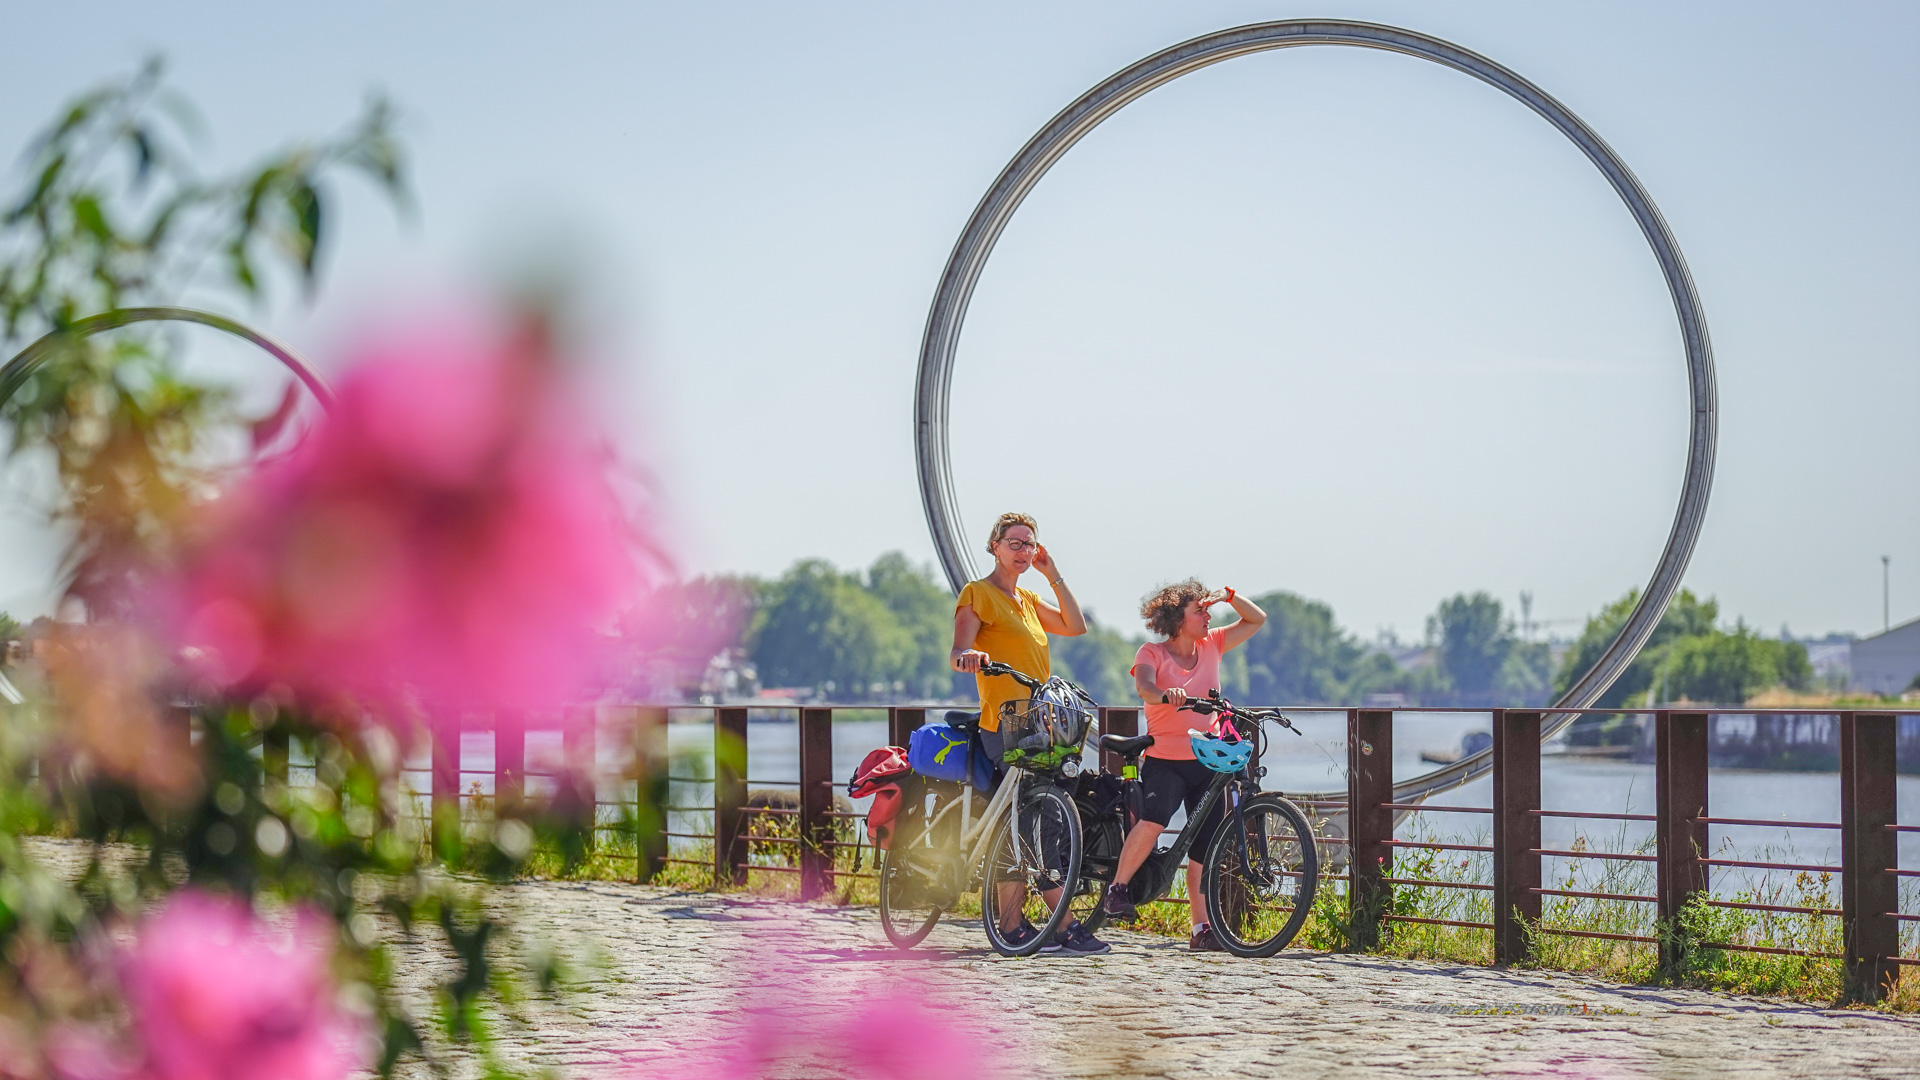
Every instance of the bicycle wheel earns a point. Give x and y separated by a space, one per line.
919 868
1026 864
908 905
1100 840
1258 903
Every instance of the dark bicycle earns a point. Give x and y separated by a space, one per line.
1261 868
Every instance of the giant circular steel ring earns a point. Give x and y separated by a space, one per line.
1076 120
28 360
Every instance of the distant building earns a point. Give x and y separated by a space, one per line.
1887 663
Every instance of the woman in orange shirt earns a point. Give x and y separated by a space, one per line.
995 619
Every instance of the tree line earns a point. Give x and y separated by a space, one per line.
883 634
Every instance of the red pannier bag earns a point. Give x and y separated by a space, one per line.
880 775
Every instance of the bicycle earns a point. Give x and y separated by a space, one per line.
1260 870
1023 845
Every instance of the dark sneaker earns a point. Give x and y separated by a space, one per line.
1204 939
1119 904
1024 933
1077 940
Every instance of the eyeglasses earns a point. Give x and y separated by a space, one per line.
1017 546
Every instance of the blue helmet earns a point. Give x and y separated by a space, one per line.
1220 755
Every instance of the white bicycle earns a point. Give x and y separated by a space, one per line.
1021 850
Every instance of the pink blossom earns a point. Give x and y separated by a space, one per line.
214 993
446 537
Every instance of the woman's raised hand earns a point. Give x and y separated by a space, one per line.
969 660
1043 562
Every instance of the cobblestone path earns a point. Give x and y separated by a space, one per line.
682 978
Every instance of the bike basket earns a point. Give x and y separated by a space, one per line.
1040 734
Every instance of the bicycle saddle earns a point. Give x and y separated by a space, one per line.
960 718
1125 745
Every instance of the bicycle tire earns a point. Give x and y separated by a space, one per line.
1100 841
1257 913
1048 858
905 923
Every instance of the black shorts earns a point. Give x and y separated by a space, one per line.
1167 783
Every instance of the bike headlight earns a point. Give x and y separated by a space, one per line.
1070 768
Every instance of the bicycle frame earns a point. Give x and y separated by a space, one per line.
975 836
1222 784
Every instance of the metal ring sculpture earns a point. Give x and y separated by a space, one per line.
1076 120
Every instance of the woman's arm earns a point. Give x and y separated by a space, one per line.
1251 620
1065 620
1150 691
966 627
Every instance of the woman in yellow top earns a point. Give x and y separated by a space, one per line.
995 619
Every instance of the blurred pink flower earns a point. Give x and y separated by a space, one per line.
214 993
448 536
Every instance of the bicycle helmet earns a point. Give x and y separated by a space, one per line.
1220 755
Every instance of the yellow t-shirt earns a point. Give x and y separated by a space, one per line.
1009 633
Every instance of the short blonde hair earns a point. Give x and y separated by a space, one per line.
1008 521
1164 609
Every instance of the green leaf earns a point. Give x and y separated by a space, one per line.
241 268
88 215
304 203
143 157
48 176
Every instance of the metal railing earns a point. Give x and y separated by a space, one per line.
1682 863
1869 869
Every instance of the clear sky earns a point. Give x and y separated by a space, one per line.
1323 319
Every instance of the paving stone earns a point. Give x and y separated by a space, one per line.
688 977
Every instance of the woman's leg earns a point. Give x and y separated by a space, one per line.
1196 899
1134 851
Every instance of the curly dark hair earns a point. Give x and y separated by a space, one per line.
1164 608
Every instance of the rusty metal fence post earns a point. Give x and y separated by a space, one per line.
1123 722
651 785
579 783
1369 823
1680 798
902 723
1516 832
816 799
1869 850
509 759
445 784
729 796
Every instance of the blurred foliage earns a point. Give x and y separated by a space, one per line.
113 212
110 212
1688 657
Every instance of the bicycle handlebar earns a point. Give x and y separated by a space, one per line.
995 667
1214 703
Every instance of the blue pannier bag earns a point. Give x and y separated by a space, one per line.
985 775
940 752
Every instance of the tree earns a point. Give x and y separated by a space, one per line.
1099 660
1302 657
1725 668
1475 641
819 627
925 611
1686 616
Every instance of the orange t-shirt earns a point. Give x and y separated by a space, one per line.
1010 632
1167 723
